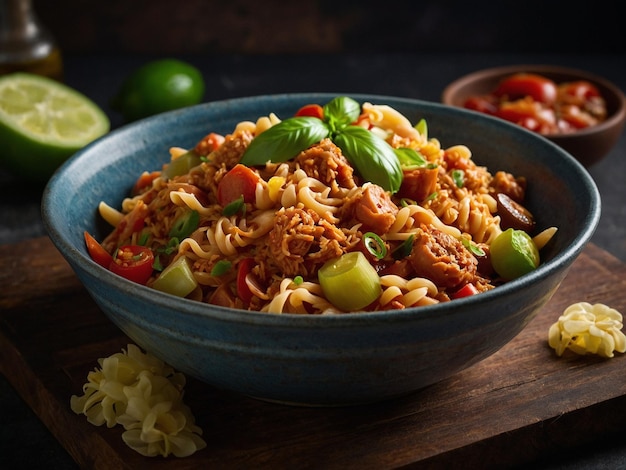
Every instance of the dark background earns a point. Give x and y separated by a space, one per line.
378 46
333 26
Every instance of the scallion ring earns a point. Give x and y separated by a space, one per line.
221 267
375 245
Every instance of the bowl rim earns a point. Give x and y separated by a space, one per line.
76 257
617 118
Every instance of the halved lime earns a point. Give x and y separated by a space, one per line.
42 123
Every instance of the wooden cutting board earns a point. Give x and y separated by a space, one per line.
510 408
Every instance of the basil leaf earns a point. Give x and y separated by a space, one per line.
410 158
373 158
341 112
285 140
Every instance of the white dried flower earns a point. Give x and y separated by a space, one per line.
588 329
143 394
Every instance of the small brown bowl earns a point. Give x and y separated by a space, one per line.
588 145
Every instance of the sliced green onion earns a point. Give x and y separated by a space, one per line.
171 247
157 265
375 245
475 249
459 177
185 225
405 201
177 279
232 208
144 236
350 282
432 196
221 267
298 280
404 249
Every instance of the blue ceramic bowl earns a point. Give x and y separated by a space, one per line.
319 360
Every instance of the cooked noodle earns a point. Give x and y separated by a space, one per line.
314 208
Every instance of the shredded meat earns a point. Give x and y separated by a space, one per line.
371 206
442 258
301 241
418 184
513 187
325 162
230 152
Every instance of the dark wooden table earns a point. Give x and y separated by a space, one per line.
26 442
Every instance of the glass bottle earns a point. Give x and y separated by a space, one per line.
25 44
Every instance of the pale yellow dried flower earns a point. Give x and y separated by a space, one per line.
588 329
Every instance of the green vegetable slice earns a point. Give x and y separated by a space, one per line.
182 165
221 267
185 225
422 128
232 208
177 279
375 245
513 254
350 282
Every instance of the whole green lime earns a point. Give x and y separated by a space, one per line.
159 86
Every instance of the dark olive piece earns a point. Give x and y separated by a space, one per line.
514 215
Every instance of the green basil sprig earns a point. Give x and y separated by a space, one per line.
373 158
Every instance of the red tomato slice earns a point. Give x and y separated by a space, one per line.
240 181
97 251
465 291
245 268
312 110
577 118
528 114
209 143
133 262
482 104
580 89
518 86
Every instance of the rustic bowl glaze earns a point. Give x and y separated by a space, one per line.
588 145
319 360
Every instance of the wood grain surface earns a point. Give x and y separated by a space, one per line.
510 408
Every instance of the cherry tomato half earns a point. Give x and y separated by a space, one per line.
481 104
312 110
133 262
517 86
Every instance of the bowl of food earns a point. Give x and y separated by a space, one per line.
317 249
579 111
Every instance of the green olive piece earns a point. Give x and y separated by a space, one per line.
513 254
